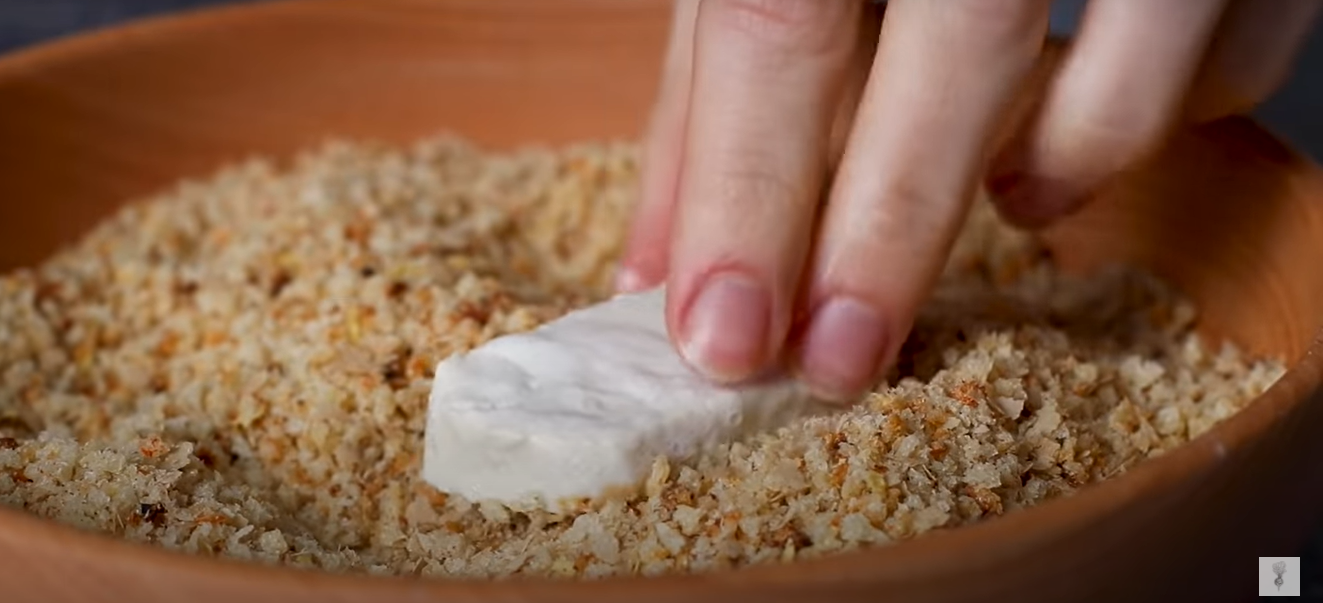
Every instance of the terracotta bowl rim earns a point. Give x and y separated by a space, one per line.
922 557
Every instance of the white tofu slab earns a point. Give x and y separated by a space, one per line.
581 406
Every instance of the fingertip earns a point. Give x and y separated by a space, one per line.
629 280
1117 96
726 330
644 263
842 351
1032 202
1025 198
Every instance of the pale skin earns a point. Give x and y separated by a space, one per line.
808 163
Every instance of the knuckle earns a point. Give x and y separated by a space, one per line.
914 212
751 190
906 217
886 251
749 213
799 26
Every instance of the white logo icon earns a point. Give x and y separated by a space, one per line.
1279 576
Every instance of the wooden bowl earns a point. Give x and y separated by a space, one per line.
1227 212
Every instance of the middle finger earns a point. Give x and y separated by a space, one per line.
944 76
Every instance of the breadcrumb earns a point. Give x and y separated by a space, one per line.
240 368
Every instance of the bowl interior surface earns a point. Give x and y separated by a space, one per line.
100 119
1227 212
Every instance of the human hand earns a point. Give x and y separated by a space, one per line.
808 163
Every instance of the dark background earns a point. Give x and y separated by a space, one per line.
25 22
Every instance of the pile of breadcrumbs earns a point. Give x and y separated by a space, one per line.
241 368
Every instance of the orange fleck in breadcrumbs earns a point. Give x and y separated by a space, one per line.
240 367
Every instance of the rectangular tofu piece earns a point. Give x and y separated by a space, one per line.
580 407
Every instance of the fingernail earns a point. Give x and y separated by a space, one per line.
1031 202
630 281
725 330
1002 184
1009 169
842 351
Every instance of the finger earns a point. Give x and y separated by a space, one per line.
1120 89
861 62
767 81
647 248
1251 56
944 74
